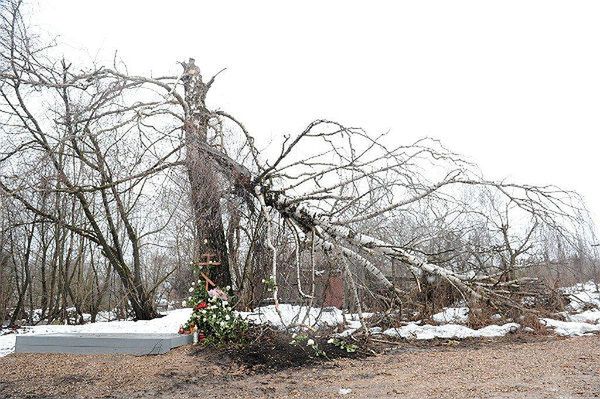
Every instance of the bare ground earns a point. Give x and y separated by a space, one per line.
519 367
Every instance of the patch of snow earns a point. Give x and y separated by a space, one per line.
376 330
496 331
345 391
294 314
570 328
582 294
106 315
588 316
528 301
589 286
355 324
581 299
427 331
7 344
452 315
351 327
346 333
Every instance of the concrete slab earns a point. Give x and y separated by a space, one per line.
136 344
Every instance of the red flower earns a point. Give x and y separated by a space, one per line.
201 305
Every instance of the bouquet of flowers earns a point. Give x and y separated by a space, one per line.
212 315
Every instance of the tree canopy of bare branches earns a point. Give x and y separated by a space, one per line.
98 163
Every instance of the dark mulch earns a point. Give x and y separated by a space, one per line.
267 350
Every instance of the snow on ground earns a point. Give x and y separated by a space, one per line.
168 324
427 331
452 315
582 294
579 321
570 328
588 316
290 315
294 314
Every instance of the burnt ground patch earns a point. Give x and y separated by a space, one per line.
267 350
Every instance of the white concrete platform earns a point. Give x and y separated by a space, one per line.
135 344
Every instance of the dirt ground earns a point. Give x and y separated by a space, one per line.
519 367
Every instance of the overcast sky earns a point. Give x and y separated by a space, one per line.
514 85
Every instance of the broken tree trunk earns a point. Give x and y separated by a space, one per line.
204 181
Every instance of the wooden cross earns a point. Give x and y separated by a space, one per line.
208 261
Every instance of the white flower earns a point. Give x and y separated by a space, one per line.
227 288
191 289
310 342
184 303
199 281
193 283
189 298
330 341
227 317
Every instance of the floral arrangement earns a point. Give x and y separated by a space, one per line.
212 315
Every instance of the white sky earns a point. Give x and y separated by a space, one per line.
514 85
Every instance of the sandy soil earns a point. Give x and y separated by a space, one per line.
537 368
